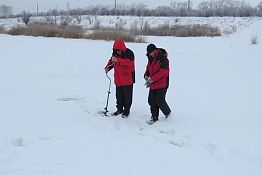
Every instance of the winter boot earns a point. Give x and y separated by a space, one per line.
117 113
168 115
124 116
125 113
152 120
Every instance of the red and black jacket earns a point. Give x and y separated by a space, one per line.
158 69
124 74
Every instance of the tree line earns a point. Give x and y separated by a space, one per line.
219 8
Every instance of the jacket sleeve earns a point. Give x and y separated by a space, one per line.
110 64
163 72
147 70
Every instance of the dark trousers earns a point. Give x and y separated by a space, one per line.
124 96
157 100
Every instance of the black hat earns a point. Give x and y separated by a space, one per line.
150 48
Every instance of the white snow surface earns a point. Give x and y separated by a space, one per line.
51 90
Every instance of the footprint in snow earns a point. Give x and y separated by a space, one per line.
74 99
18 142
178 144
211 148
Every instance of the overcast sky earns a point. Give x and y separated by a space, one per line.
45 5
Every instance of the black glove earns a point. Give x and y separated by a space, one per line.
106 70
148 82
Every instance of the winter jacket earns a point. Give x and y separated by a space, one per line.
124 67
158 69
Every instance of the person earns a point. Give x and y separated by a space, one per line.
157 79
122 60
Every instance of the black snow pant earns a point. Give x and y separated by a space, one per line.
124 96
157 100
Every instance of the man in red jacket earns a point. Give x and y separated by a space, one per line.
157 78
122 60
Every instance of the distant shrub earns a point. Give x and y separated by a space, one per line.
181 30
65 20
254 40
26 17
112 34
230 30
204 30
48 30
50 20
2 29
17 31
53 30
73 32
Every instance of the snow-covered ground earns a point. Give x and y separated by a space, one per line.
52 88
225 24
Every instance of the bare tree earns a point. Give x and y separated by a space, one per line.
65 21
53 12
225 8
146 28
140 9
206 8
180 8
26 17
120 24
78 18
259 8
97 23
